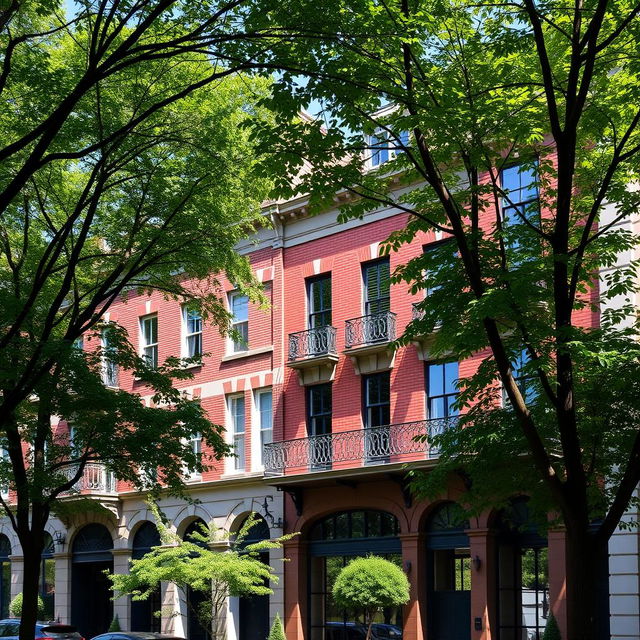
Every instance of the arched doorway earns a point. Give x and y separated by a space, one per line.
523 575
254 611
48 578
196 600
91 605
142 611
333 542
5 575
448 574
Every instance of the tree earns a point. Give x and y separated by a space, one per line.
370 584
124 164
453 93
192 564
277 630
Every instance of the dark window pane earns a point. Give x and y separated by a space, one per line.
342 525
357 524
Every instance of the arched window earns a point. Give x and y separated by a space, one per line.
48 577
448 573
334 541
143 612
523 574
5 575
93 543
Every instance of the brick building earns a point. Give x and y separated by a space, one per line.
322 414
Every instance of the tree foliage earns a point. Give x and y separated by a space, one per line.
370 584
193 564
125 165
15 607
479 87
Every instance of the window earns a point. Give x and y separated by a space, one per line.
377 287
195 443
519 183
109 367
442 390
319 294
4 486
236 411
75 448
264 405
384 147
319 409
377 399
149 331
239 307
48 577
192 327
523 377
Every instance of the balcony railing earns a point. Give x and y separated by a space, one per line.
416 312
375 445
376 328
109 373
96 478
312 343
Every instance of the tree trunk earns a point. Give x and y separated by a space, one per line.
585 559
30 587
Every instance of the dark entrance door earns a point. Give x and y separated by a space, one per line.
449 575
143 612
254 611
91 605
196 600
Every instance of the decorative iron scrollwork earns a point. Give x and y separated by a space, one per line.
378 327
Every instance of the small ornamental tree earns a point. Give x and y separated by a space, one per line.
192 564
370 584
551 631
277 630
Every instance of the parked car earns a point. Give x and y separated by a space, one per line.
10 628
358 631
135 635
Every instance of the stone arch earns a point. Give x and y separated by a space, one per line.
7 530
188 515
93 518
356 503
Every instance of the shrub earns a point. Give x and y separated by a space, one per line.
277 630
15 607
115 624
370 584
551 631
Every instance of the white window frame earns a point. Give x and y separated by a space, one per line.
145 346
109 369
381 134
237 464
257 429
186 335
232 345
195 443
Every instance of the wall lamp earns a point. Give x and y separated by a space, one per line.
59 538
477 563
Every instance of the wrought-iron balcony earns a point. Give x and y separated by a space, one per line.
371 446
312 343
96 478
373 329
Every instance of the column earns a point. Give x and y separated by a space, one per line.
122 605
295 586
413 561
557 578
64 573
482 549
17 564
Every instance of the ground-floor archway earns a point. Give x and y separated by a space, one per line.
254 610
196 600
91 604
143 612
448 574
